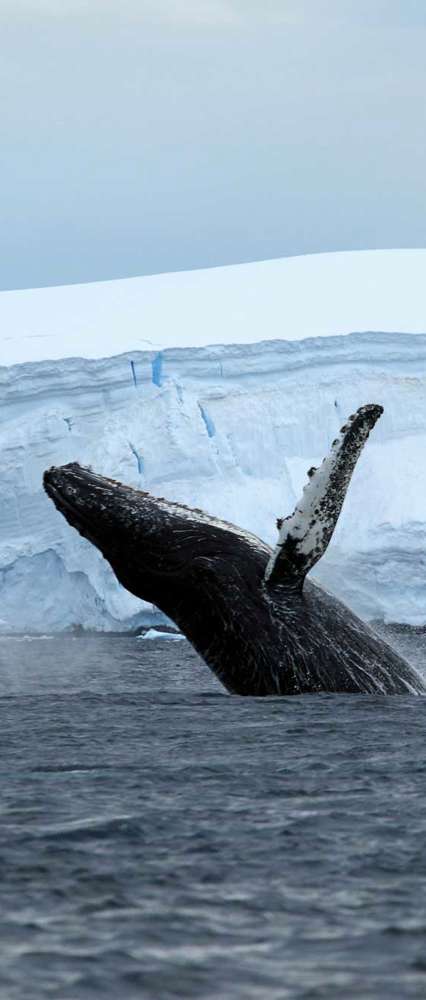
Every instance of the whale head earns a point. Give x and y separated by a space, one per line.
182 560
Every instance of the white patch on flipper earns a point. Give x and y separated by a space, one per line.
305 534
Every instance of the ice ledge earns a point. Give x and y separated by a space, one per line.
232 430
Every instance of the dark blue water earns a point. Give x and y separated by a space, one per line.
161 839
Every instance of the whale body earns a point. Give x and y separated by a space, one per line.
248 610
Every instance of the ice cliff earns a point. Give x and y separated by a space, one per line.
232 428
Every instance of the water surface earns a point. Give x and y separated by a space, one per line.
161 839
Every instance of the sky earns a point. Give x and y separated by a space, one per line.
158 135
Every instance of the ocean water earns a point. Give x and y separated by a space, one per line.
161 839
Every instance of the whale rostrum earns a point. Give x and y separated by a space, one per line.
249 611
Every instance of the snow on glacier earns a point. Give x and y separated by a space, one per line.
232 428
291 298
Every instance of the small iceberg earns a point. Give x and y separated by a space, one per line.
153 633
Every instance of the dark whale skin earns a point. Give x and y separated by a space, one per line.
282 637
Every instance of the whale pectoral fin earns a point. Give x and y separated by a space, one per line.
305 534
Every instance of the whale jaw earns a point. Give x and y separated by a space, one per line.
125 524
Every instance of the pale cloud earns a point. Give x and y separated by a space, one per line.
152 135
310 15
184 13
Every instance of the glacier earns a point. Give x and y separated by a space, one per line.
228 420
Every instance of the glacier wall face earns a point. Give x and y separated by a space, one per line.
233 430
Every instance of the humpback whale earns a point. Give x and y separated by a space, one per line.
248 610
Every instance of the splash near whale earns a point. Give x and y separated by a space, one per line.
248 610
